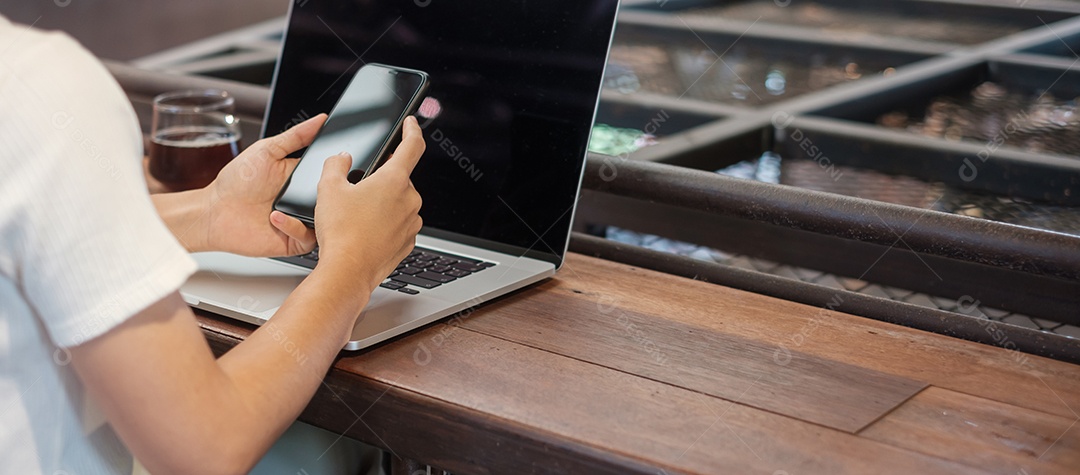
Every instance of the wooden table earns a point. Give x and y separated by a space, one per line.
612 369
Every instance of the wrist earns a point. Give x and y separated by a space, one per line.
350 268
186 214
350 291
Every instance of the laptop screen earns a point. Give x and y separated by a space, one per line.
514 85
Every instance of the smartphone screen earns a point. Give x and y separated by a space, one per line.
366 122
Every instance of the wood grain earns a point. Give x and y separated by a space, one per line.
759 374
982 433
667 427
412 425
556 380
972 368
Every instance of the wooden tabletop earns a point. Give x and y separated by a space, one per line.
612 369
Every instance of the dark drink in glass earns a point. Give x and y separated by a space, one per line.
186 158
194 135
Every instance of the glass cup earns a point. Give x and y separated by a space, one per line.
193 135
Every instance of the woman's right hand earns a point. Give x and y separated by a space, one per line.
366 229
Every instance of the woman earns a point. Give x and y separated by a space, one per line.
92 327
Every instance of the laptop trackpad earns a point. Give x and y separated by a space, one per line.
245 284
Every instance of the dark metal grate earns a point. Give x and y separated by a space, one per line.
909 191
876 21
1063 219
747 75
1034 122
878 186
833 281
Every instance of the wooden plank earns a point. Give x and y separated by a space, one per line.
982 433
804 386
669 428
415 426
972 368
517 389
485 405
478 404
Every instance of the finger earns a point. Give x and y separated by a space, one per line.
294 229
336 169
293 139
412 146
290 165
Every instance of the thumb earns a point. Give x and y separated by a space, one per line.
302 238
336 169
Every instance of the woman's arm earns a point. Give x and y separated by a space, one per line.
180 411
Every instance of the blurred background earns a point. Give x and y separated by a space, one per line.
125 30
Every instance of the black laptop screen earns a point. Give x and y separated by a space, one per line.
513 93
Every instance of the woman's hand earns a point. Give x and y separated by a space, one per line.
366 229
240 216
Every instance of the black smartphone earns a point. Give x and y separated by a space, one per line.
366 122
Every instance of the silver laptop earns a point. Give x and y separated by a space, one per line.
515 87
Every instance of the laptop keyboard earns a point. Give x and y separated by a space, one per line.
426 269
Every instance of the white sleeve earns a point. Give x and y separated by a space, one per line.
78 231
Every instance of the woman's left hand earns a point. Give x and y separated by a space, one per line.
240 215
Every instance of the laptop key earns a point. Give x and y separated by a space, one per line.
464 259
438 267
392 285
468 267
414 280
440 278
457 273
406 290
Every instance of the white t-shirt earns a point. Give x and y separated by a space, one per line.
81 247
